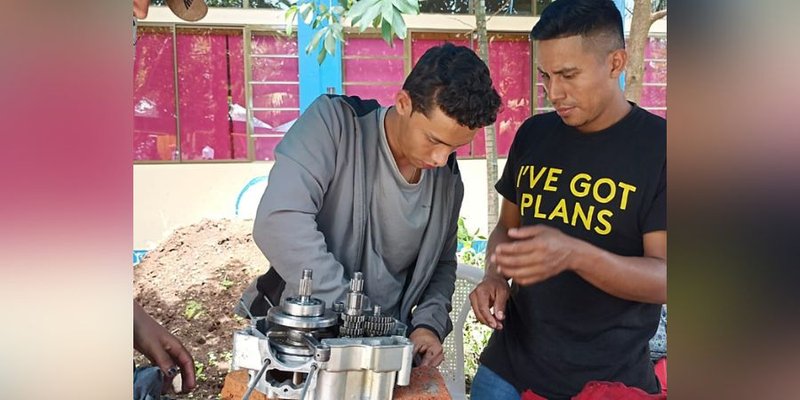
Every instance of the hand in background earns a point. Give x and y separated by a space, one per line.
163 349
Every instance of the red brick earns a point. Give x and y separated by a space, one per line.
426 384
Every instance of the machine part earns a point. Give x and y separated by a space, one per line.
276 316
357 368
378 324
252 384
352 325
293 352
354 301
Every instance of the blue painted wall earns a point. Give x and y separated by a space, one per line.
315 79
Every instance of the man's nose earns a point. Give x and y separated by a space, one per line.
440 157
555 90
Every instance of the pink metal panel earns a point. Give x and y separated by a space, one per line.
275 96
378 70
371 46
266 137
510 66
239 132
655 71
273 44
656 48
270 126
154 129
203 70
383 94
653 96
275 69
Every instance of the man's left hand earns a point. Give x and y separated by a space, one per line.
427 345
536 253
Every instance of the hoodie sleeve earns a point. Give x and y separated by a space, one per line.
285 227
433 309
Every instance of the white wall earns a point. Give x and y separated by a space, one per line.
168 196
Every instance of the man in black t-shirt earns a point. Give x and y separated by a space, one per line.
582 231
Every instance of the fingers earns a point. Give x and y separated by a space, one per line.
186 363
432 355
488 301
519 259
481 302
158 355
500 300
526 232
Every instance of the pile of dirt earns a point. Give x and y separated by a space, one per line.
191 283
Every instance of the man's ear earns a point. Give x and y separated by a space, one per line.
619 60
403 104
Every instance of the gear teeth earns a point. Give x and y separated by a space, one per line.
352 325
379 325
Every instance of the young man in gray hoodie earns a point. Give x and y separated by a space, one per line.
357 187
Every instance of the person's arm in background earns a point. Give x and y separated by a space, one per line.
162 348
540 252
489 297
431 318
285 227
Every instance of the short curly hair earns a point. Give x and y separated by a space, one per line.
455 79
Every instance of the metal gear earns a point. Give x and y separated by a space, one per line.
378 324
352 325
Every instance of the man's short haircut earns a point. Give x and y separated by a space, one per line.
597 20
458 82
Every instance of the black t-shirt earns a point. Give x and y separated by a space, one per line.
607 188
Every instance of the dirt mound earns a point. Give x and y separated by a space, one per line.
190 284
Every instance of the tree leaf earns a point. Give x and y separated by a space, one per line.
307 10
399 25
369 15
359 8
330 43
403 6
386 32
387 10
289 18
315 40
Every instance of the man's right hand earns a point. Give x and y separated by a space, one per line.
488 300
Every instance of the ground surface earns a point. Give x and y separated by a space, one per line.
190 284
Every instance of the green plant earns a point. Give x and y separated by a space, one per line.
385 15
193 310
226 283
476 335
200 371
468 255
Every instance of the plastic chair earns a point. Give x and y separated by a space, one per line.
452 369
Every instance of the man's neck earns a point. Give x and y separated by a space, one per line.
616 111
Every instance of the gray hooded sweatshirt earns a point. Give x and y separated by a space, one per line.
317 213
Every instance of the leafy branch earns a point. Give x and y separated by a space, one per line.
384 15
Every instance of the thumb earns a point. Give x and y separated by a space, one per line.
500 299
